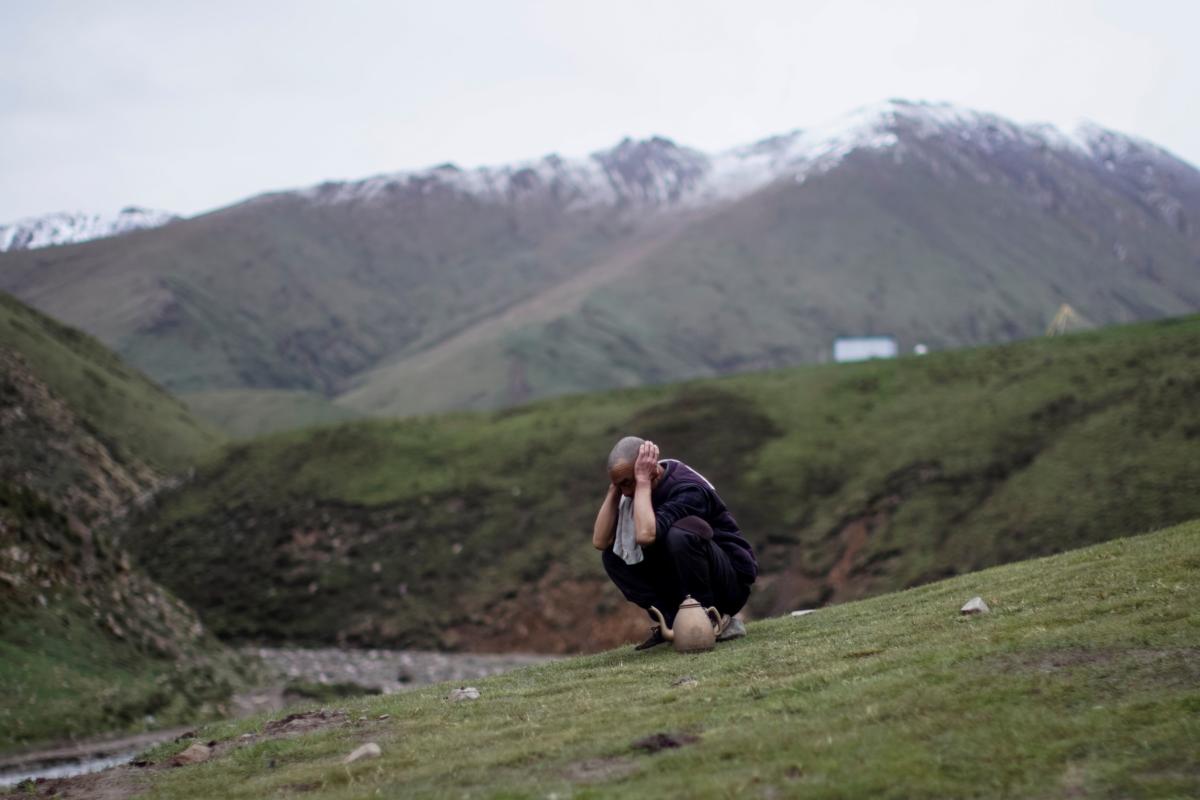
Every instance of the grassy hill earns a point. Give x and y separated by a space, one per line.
243 413
1081 682
88 643
133 416
926 249
472 530
282 292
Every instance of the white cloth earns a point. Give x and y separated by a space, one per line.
625 542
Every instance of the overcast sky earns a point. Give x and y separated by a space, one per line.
191 106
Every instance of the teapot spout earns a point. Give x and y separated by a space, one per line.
667 633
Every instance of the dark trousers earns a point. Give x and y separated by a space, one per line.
681 563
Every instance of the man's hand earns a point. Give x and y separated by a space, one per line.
645 469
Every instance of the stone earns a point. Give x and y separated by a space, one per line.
975 606
368 750
464 693
384 716
194 754
686 680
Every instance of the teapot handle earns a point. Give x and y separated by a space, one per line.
716 618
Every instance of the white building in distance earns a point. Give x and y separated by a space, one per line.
862 348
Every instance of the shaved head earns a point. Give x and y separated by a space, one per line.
624 452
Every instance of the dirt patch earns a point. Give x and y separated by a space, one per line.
848 578
863 653
657 742
306 722
559 614
598 770
854 572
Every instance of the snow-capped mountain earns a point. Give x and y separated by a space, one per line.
658 173
70 227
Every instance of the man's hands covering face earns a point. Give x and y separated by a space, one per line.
646 467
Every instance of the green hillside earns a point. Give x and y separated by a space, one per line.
134 417
472 530
873 247
1081 682
88 643
283 293
248 412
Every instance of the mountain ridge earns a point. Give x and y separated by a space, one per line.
738 169
72 227
928 222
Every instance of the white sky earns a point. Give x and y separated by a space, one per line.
191 106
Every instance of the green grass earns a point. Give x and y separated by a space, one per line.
90 646
957 461
66 677
132 416
1083 681
243 413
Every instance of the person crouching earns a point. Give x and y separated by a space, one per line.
665 533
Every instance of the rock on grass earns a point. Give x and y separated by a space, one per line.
368 750
194 754
974 606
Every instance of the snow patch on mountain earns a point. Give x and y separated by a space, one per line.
657 173
66 227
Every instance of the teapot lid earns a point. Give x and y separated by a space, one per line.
689 601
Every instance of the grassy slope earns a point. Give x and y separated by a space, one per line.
118 405
389 531
244 413
1082 682
89 645
283 293
68 676
83 436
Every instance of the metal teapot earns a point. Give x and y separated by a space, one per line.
696 627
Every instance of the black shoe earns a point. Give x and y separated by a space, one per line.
655 639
